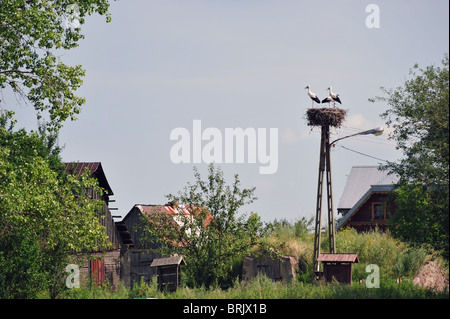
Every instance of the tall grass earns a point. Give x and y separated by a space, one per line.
261 287
393 257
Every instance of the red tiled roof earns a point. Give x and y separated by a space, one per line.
173 211
162 208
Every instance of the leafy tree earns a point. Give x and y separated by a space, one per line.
419 115
214 237
45 215
21 274
32 33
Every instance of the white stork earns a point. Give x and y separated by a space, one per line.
313 96
328 99
334 97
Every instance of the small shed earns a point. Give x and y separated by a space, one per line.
338 266
168 272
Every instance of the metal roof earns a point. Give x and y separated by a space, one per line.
346 258
96 170
168 261
360 180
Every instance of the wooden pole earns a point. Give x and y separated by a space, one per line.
318 221
324 165
331 227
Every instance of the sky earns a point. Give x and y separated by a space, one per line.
160 65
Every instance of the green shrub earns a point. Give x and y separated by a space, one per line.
143 290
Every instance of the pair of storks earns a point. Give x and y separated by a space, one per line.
333 97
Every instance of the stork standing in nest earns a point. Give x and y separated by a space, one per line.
333 97
313 96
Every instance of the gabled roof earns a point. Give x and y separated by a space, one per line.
360 180
96 170
362 200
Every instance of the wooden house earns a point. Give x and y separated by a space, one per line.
104 263
365 200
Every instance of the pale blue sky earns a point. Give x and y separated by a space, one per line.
161 64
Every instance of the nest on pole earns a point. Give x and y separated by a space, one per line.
325 116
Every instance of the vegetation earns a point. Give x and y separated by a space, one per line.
45 215
395 259
419 115
32 35
260 287
215 236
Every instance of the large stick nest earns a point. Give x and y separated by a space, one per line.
325 116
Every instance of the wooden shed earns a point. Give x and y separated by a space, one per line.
168 272
338 266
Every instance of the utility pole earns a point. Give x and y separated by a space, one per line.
324 168
326 118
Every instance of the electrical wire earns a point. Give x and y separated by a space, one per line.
373 139
380 159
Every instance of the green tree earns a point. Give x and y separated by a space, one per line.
32 35
215 236
45 215
419 115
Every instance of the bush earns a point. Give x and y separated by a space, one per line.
372 247
409 262
142 290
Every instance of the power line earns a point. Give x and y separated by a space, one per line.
373 139
380 159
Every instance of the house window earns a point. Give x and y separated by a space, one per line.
378 211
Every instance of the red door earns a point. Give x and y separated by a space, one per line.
97 271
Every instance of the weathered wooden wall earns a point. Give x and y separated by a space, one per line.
278 270
135 264
110 228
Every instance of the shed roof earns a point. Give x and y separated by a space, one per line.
168 261
345 258
360 180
